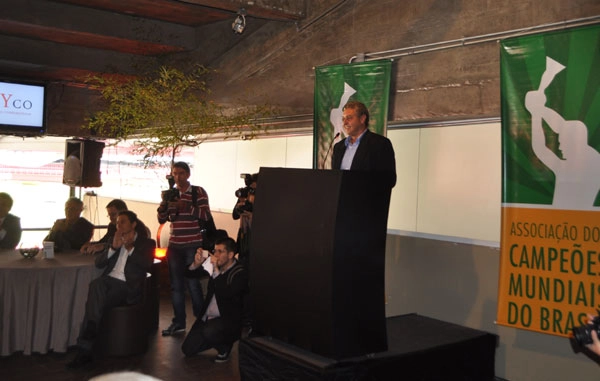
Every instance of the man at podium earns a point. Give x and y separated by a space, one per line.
363 150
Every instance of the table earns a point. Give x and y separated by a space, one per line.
42 301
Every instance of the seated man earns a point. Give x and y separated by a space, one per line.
112 209
10 226
73 231
126 262
220 323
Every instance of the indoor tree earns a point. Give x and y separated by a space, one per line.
169 109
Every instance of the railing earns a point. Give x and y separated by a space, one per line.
47 229
34 236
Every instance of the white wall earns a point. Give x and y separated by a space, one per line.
218 165
449 178
449 182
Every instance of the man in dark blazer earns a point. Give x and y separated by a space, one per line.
10 225
125 262
72 231
220 323
363 150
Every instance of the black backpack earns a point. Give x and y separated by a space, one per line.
207 227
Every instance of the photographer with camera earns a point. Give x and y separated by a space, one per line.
243 211
587 334
185 206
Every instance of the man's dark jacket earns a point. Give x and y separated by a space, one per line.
137 266
230 290
12 225
374 153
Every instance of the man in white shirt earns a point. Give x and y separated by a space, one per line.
125 262
220 323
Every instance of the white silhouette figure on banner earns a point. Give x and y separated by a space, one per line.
577 174
335 116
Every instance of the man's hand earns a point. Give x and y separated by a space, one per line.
123 239
595 345
91 248
200 257
179 205
128 239
117 241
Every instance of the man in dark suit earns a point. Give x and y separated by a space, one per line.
220 323
125 262
10 225
72 231
363 150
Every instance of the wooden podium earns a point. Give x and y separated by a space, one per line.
318 257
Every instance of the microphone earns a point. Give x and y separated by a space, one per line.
329 149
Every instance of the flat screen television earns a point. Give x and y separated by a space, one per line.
22 108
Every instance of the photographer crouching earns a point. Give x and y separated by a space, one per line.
243 212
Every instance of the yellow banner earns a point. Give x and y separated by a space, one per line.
549 270
550 244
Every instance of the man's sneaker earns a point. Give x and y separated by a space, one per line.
173 329
223 357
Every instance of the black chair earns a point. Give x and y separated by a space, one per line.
124 330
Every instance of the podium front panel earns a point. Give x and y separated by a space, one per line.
317 259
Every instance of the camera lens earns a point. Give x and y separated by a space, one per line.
242 192
583 334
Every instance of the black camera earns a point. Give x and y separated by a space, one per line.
583 334
247 190
244 192
171 194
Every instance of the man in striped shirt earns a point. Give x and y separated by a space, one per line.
183 206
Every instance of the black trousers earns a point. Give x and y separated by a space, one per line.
104 293
213 333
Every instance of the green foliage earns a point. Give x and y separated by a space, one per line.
169 110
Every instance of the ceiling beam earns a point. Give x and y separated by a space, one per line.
199 12
82 26
281 10
87 39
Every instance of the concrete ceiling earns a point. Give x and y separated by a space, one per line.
64 40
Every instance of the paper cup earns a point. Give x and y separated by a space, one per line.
48 249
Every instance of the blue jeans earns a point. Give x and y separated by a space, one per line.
178 260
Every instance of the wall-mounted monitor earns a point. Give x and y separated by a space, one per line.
22 108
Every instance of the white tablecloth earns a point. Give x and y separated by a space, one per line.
42 301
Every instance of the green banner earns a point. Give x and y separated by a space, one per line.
366 82
549 255
573 93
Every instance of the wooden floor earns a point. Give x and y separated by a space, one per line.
164 360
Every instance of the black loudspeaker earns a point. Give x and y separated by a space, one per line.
82 163
318 258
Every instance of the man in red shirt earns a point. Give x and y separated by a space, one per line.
184 205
